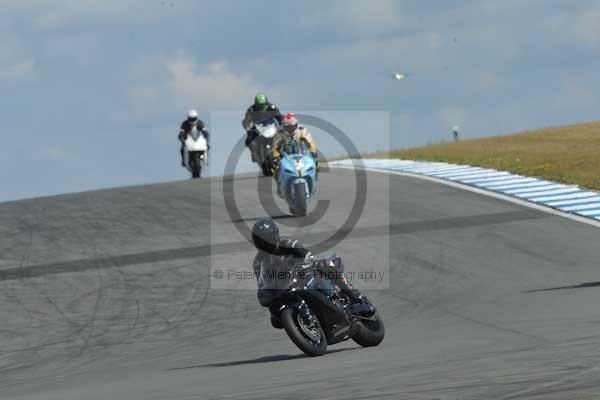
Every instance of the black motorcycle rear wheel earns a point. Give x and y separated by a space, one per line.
369 333
304 330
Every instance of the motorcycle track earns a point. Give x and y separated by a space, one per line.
107 294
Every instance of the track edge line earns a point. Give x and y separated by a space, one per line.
483 192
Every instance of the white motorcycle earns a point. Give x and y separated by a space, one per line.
196 152
266 130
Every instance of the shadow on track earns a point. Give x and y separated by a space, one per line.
580 286
260 360
182 253
254 219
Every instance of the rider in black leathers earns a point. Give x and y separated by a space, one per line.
275 253
257 112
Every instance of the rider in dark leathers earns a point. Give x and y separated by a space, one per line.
275 253
257 112
187 125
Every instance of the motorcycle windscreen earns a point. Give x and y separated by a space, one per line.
296 148
267 128
264 118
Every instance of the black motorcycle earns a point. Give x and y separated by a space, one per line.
315 313
263 143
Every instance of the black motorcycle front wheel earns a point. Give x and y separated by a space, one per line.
304 330
196 165
369 332
300 207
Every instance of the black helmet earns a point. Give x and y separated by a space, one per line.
265 235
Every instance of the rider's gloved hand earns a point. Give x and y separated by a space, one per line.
275 166
308 262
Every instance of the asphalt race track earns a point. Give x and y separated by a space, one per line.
107 295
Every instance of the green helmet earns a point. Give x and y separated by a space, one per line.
261 102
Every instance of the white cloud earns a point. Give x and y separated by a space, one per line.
20 71
177 83
211 87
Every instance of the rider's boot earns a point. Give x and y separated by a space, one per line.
359 304
275 320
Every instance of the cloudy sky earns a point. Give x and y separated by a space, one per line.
93 90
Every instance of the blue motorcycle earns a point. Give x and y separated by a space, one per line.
297 180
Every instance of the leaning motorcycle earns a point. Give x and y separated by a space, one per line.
315 313
196 148
297 179
263 143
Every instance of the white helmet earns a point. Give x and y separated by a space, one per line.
192 114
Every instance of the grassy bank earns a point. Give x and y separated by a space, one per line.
569 154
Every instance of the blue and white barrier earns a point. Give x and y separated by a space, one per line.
566 198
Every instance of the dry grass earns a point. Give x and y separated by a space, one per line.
569 154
